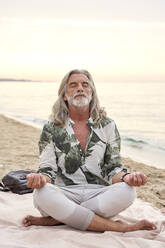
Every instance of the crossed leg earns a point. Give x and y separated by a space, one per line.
95 222
98 224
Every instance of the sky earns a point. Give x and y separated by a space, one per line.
115 40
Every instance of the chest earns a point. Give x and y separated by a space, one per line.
81 132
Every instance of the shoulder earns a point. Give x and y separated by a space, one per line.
50 127
54 131
107 121
109 127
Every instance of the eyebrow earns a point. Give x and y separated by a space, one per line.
76 82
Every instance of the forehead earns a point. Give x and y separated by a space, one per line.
77 77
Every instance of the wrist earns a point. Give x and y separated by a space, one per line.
48 179
123 176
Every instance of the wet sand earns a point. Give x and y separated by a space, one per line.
19 150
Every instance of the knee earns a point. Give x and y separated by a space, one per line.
123 196
128 194
44 194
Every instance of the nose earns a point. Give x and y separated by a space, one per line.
80 88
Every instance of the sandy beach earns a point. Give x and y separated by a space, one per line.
19 150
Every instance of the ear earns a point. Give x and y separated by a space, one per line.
64 97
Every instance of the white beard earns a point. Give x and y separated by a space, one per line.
79 101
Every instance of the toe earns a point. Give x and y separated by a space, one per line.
154 226
26 221
150 225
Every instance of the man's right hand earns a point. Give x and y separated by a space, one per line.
37 181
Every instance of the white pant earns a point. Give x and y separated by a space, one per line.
76 205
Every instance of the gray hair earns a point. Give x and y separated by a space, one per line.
60 110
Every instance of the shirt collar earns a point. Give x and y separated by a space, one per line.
71 121
89 122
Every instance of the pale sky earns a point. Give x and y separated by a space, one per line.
113 39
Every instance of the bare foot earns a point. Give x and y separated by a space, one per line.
100 224
141 225
39 221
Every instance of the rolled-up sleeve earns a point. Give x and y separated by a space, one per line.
48 164
112 156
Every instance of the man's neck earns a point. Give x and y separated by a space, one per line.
79 114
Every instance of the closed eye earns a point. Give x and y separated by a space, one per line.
85 84
73 84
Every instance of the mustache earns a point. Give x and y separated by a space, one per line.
79 94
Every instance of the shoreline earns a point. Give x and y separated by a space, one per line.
19 150
29 123
127 151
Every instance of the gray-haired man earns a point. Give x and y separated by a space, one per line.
81 181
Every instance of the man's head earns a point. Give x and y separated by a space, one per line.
78 92
77 89
76 75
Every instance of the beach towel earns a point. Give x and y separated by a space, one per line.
14 207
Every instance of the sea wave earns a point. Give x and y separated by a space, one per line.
143 144
38 121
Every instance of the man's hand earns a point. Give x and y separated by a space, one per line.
135 179
37 181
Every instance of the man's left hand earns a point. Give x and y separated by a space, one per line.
135 179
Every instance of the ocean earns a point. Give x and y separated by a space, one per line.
137 108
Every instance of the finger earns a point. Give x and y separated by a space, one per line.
139 180
37 181
128 179
134 179
142 178
43 181
131 179
29 180
154 226
33 181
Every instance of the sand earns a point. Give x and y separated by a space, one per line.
19 150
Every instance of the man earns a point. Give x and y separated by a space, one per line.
81 181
